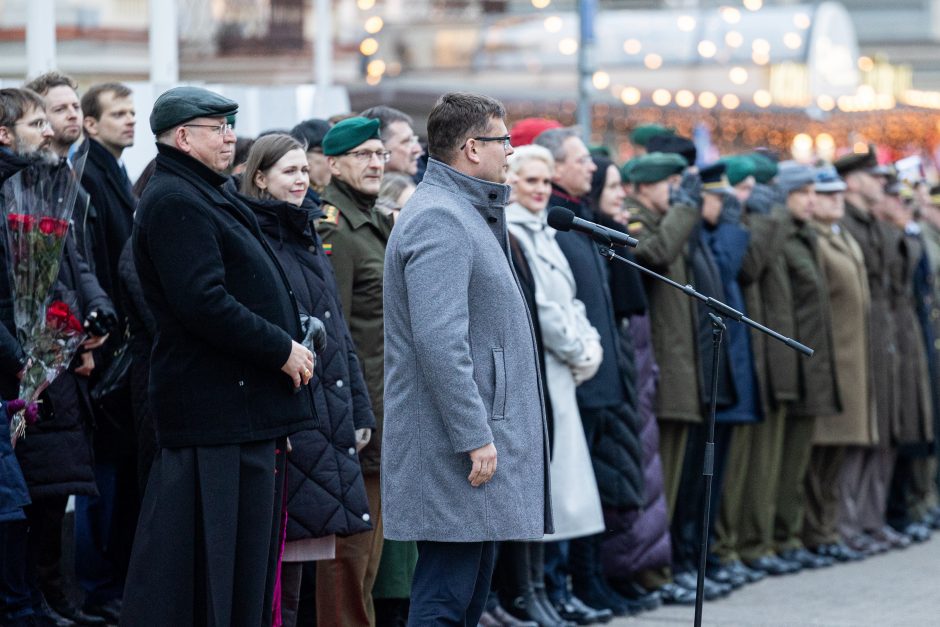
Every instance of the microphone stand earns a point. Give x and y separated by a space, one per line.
721 310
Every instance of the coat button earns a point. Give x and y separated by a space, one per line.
352 450
493 196
241 383
312 248
339 383
327 315
366 517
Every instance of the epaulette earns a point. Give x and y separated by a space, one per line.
331 214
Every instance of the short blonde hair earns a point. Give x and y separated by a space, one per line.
531 152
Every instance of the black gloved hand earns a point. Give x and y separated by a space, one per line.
688 192
100 323
730 210
762 199
314 333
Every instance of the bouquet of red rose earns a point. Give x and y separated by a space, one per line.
39 201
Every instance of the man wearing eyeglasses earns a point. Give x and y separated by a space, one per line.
225 369
355 234
399 137
464 461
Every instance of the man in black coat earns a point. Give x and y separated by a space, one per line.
225 368
56 458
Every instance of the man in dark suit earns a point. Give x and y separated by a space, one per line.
225 366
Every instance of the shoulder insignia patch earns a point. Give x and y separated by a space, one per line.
331 214
328 248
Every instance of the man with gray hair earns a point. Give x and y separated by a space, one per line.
398 135
463 388
227 382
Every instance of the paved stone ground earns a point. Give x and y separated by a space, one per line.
900 588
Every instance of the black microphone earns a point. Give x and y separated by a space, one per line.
562 219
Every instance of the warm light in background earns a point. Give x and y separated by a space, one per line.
553 24
761 45
568 46
860 148
601 80
376 68
802 147
685 98
753 5
707 100
734 39
374 24
760 58
826 102
826 146
662 97
738 75
801 21
632 46
730 101
365 5
865 64
707 48
630 95
541 4
762 98
653 61
369 46
686 23
792 41
730 15
373 80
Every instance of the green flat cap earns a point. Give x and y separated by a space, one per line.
765 168
738 168
652 168
642 134
346 135
182 104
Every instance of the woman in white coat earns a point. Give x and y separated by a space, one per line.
572 350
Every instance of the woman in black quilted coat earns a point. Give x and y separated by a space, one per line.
326 493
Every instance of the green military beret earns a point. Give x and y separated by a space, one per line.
738 168
348 134
642 134
765 168
653 167
182 104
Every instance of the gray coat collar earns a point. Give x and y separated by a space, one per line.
481 194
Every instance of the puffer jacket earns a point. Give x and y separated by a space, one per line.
326 492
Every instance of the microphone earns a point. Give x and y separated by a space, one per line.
562 219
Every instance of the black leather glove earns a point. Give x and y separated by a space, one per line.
688 192
730 210
314 333
762 199
100 323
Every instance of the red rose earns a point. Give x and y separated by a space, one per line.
28 223
47 225
14 221
58 315
61 227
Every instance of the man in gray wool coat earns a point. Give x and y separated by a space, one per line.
464 459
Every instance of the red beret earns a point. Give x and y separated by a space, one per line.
526 130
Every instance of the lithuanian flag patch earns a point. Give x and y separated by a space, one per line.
328 248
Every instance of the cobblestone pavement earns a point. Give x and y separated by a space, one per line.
899 588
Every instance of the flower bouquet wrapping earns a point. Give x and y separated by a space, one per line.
38 205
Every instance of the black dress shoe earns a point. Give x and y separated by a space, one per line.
110 611
572 609
917 532
866 545
892 538
643 599
838 551
774 566
546 607
595 595
711 591
674 594
722 574
50 618
74 614
750 575
508 620
806 559
527 607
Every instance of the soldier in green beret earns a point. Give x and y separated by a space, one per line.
354 235
641 136
741 170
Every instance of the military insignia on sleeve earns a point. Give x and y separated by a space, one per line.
331 214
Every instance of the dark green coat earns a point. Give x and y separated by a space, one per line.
355 237
663 247
812 317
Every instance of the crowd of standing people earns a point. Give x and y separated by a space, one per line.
362 381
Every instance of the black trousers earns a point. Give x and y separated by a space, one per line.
451 583
208 539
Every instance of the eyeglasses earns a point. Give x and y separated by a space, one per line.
505 140
365 156
40 125
221 129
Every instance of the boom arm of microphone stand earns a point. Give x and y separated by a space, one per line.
721 308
